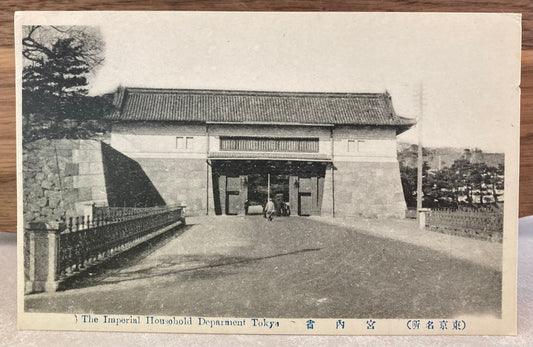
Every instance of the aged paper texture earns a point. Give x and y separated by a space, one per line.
268 173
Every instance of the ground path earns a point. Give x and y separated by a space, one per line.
292 267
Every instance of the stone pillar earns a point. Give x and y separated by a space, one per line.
210 191
422 213
43 259
222 183
314 195
293 194
327 193
243 192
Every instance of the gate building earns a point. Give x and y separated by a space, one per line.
222 152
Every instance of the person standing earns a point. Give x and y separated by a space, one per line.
269 210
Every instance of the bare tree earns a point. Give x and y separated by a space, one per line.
57 63
38 41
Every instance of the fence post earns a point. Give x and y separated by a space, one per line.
422 214
43 247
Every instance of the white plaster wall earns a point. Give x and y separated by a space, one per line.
372 144
158 140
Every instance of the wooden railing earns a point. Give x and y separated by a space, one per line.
56 250
477 223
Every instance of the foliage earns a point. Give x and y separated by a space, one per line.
38 40
57 64
463 184
409 182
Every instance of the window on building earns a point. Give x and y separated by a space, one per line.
228 144
361 146
189 142
269 144
183 142
352 146
180 143
356 146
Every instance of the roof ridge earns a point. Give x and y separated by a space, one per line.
239 106
252 92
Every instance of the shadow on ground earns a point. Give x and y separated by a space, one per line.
193 266
198 266
130 257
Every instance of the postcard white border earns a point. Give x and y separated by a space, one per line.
475 325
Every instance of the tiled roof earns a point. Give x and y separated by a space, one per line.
269 155
141 104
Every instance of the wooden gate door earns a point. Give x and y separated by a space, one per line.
305 204
233 198
233 203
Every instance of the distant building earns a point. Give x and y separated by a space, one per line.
440 158
217 151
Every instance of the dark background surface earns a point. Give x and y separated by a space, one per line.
7 64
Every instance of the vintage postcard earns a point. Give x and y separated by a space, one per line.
268 173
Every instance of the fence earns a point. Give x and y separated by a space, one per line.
55 251
110 213
484 224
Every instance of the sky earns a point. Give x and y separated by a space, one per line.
465 66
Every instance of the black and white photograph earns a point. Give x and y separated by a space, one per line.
268 173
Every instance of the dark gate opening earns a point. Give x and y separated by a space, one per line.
257 189
258 193
242 185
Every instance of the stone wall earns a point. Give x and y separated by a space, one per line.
368 189
89 181
64 178
126 182
179 181
60 178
